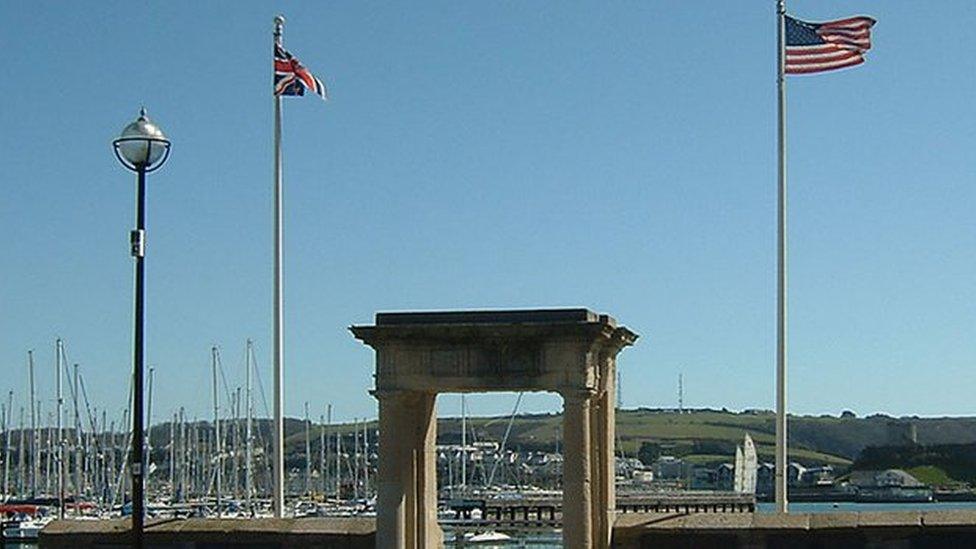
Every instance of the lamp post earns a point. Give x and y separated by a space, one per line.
142 148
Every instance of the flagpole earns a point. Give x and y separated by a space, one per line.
279 352
781 463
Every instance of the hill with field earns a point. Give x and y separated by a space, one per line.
702 435
710 436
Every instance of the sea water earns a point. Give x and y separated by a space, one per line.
850 507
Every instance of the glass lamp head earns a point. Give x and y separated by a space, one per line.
142 145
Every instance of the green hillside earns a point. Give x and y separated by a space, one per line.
837 440
705 436
937 464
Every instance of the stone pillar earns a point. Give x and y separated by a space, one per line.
597 468
391 497
605 498
429 534
602 454
577 471
406 485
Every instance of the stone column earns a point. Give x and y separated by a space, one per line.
406 514
391 497
577 471
602 454
597 466
424 417
605 500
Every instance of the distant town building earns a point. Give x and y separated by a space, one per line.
724 478
703 478
765 478
668 468
891 485
626 467
884 479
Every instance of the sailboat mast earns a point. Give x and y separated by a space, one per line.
338 461
47 441
248 448
108 442
3 428
6 439
325 451
237 444
365 458
308 453
193 468
172 458
216 404
60 431
35 441
21 466
464 445
184 456
147 442
79 450
6 455
322 454
355 459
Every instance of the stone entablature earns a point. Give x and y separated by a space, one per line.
550 350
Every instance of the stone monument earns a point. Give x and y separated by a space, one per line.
419 354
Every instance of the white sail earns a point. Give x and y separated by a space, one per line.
750 465
737 482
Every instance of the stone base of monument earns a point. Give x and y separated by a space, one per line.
901 530
263 533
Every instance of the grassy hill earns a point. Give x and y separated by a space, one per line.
703 436
937 464
706 436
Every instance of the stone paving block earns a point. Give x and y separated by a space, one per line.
790 521
826 521
902 519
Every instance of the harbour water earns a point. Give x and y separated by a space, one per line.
534 540
849 507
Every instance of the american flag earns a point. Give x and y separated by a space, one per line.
292 78
819 47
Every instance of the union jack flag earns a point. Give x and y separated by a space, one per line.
819 47
292 78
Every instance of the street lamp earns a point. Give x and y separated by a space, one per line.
142 148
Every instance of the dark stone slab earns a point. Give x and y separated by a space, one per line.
518 316
262 533
868 530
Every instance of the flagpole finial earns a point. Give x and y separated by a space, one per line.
279 23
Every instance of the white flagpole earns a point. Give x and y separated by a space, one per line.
781 463
278 432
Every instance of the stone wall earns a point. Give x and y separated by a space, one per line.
262 533
897 530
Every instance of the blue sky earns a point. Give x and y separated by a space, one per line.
492 155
